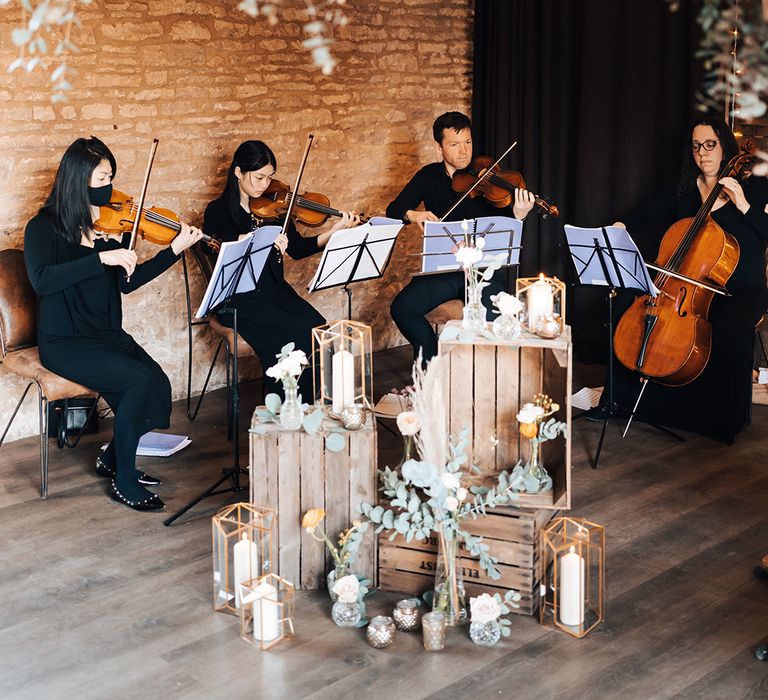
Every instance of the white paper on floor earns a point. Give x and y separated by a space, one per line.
586 398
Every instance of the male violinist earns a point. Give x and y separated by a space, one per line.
431 186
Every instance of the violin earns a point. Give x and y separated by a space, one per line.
310 208
156 225
498 187
668 338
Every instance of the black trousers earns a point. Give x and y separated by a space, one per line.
131 382
268 324
425 293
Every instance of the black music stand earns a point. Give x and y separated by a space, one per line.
356 254
238 268
608 257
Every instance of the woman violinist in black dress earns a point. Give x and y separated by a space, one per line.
79 279
716 403
273 314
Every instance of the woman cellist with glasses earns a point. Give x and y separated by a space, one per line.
716 402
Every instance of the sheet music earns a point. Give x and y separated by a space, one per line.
502 234
228 262
356 254
624 264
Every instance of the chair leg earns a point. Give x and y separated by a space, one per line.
43 417
15 411
193 414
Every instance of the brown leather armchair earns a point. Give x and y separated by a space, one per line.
19 355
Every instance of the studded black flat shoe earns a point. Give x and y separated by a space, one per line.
148 504
105 470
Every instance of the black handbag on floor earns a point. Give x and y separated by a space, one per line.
72 417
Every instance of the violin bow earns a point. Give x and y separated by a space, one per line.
479 180
142 197
292 199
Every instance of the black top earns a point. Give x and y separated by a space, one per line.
750 229
220 223
432 185
78 295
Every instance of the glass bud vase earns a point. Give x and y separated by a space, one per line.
291 413
473 314
345 614
338 572
535 477
409 452
485 634
507 327
449 596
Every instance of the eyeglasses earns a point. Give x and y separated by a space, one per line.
708 145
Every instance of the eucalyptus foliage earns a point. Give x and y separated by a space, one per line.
418 503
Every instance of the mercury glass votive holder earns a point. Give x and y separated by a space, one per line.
407 614
380 632
433 629
353 417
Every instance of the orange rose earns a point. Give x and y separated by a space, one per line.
529 430
312 518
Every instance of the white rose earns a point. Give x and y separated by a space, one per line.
451 480
484 608
462 493
507 304
468 256
529 413
451 503
346 588
408 423
274 371
480 243
298 356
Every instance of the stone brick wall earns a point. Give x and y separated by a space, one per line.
202 77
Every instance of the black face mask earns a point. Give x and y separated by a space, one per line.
100 196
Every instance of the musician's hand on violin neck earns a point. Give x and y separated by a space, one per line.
120 257
735 193
524 201
420 217
186 238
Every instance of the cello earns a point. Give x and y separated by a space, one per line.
668 338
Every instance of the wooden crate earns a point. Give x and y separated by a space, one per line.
487 382
512 535
292 472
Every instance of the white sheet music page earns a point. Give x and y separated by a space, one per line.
228 262
356 254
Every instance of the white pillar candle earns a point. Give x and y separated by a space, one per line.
266 613
343 369
246 558
571 589
540 301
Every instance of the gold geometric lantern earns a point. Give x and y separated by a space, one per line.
572 575
242 551
543 300
342 365
266 610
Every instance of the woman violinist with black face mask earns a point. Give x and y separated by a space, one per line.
79 278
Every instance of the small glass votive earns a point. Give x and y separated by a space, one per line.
380 632
433 627
353 417
407 614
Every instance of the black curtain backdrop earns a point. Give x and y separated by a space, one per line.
599 94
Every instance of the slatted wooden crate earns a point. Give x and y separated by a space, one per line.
292 472
512 535
487 382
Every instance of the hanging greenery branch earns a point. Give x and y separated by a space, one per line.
733 47
321 18
44 39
